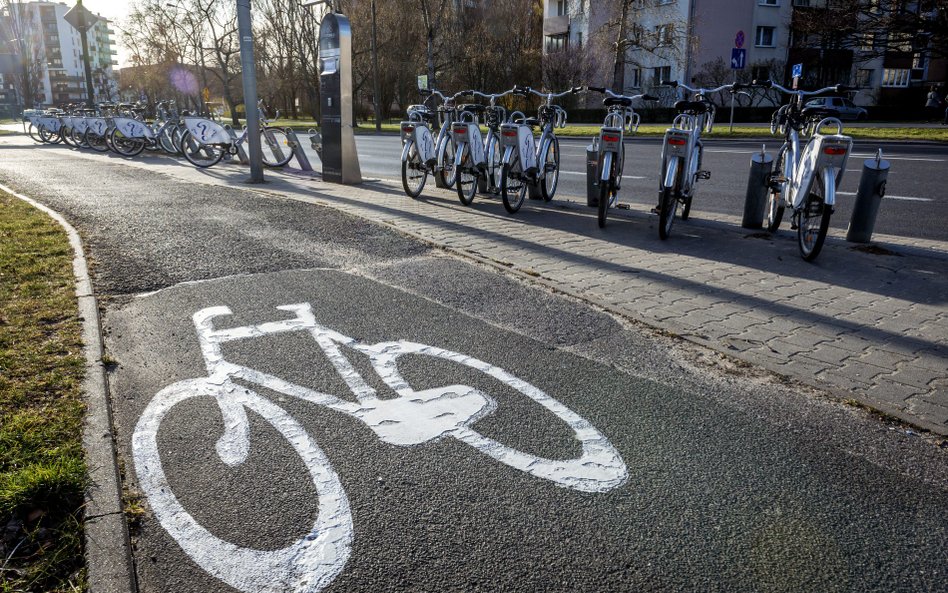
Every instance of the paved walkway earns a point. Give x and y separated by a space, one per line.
869 325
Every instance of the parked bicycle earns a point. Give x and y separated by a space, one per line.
423 154
806 180
682 152
478 158
205 142
621 119
528 161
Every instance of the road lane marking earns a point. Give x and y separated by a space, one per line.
624 176
905 198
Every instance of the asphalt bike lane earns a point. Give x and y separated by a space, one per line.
385 441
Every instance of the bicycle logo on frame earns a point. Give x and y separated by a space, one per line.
412 418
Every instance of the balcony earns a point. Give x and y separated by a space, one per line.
555 25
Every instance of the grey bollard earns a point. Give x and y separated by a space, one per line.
297 148
592 176
875 172
755 202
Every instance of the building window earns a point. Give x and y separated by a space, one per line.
661 73
663 2
768 2
867 41
579 39
636 78
665 34
803 3
557 42
561 7
765 37
896 77
864 78
918 61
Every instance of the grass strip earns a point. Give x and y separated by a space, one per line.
42 472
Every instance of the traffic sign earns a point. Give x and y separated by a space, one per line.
739 40
80 18
738 58
797 70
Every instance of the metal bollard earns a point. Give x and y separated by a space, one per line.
755 201
875 172
592 176
298 152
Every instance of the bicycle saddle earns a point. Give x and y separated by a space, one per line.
473 108
531 121
696 107
623 101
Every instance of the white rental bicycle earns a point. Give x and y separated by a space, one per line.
805 180
412 418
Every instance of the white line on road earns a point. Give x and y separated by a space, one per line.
905 198
583 173
885 156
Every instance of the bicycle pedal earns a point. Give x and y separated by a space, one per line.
549 167
703 175
623 206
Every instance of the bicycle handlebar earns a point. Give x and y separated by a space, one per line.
838 89
608 92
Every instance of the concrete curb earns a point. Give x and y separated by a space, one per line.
108 550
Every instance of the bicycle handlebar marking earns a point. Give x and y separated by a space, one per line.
413 418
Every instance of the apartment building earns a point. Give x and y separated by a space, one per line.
669 39
59 46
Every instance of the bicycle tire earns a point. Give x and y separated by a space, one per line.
686 206
275 147
599 468
79 139
303 560
446 172
96 142
33 132
125 146
605 191
495 163
773 213
511 193
466 183
413 163
814 209
547 187
193 150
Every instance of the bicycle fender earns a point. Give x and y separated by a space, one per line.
671 172
829 185
508 154
459 151
405 148
606 171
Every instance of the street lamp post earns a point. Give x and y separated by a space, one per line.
82 20
249 75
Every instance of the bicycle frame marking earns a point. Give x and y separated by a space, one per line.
413 418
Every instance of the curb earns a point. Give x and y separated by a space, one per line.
107 545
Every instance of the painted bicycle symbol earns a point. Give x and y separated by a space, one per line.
411 418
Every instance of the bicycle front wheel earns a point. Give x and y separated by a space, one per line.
96 142
126 146
414 173
814 221
275 146
314 559
551 170
200 155
513 188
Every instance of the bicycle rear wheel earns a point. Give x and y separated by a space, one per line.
551 168
775 197
414 173
466 179
275 146
513 188
96 142
200 155
447 173
814 221
126 146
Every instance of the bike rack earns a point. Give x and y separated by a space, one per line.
298 152
241 153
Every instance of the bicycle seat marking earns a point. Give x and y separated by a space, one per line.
412 418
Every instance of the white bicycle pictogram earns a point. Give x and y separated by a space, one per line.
411 418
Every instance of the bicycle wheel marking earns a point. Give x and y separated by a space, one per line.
413 418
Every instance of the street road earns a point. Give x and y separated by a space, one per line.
359 461
915 204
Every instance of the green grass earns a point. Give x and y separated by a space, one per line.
42 472
654 130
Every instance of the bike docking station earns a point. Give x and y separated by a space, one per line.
340 160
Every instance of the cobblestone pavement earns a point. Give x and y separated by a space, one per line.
867 324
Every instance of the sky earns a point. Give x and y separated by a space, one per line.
114 10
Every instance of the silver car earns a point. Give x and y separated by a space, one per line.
836 107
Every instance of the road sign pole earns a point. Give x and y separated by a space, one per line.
245 31
731 127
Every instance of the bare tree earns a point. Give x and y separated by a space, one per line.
22 32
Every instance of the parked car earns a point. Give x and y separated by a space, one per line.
840 107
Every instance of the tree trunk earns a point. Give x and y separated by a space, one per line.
618 71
